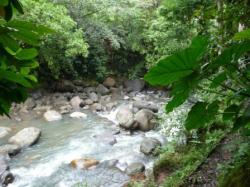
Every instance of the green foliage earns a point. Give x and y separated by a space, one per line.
114 30
17 58
181 163
174 68
57 51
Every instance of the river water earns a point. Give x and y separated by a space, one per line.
47 163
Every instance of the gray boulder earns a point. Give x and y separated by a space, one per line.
30 104
109 82
26 137
143 118
93 96
52 115
88 90
96 107
149 145
88 102
136 85
4 131
125 117
102 90
76 102
145 105
135 168
10 149
107 138
64 86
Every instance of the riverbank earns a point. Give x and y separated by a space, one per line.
108 130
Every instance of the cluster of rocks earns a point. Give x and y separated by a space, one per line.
137 115
75 96
22 139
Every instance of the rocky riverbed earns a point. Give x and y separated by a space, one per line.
100 135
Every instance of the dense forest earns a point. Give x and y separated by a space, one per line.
171 77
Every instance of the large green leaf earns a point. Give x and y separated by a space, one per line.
10 45
201 115
181 91
179 65
14 77
26 54
18 6
243 35
28 26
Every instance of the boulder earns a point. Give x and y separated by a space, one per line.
102 90
125 117
52 115
107 138
145 105
93 96
30 104
65 109
111 106
109 82
136 85
10 149
84 163
26 137
78 115
4 131
135 168
96 107
88 102
88 90
6 177
108 163
76 102
149 145
143 118
64 86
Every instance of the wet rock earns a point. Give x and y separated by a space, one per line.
109 82
10 149
145 105
148 145
26 137
111 106
93 96
136 85
64 86
88 102
76 102
4 131
84 163
96 107
125 117
30 104
102 89
65 109
52 115
78 115
107 138
143 118
108 163
88 90
135 168
6 177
